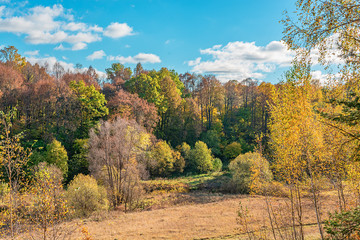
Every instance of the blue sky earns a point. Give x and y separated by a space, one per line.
232 39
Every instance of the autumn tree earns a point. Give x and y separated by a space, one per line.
115 149
48 207
13 160
297 138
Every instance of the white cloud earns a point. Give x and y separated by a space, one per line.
194 62
79 46
32 53
50 62
1 10
167 41
118 30
141 57
96 55
55 25
325 78
240 60
75 26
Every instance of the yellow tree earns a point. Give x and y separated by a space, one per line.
13 158
296 139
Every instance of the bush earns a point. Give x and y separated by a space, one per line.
166 160
86 196
217 165
249 173
232 150
200 158
344 225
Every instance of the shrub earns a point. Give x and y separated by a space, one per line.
163 157
249 173
344 225
232 150
217 165
200 158
184 150
86 196
212 139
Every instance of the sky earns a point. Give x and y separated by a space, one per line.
233 39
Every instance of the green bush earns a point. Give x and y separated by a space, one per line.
166 160
86 196
249 173
200 158
232 150
344 225
217 165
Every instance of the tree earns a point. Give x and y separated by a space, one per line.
78 163
92 106
13 160
166 160
118 74
56 155
297 137
48 207
200 159
127 105
232 150
10 56
115 149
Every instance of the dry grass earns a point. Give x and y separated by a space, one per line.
195 216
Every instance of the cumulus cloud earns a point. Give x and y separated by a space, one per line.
240 60
141 57
118 30
1 10
96 55
32 53
54 25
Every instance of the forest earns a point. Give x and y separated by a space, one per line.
73 144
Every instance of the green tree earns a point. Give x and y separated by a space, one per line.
163 157
56 154
78 163
92 106
232 150
200 159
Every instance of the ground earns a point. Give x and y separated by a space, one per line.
200 215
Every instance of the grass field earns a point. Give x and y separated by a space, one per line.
199 215
188 208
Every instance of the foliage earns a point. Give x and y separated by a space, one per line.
344 225
56 154
163 156
78 163
115 151
232 150
48 207
86 196
217 165
200 158
249 172
213 141
92 105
